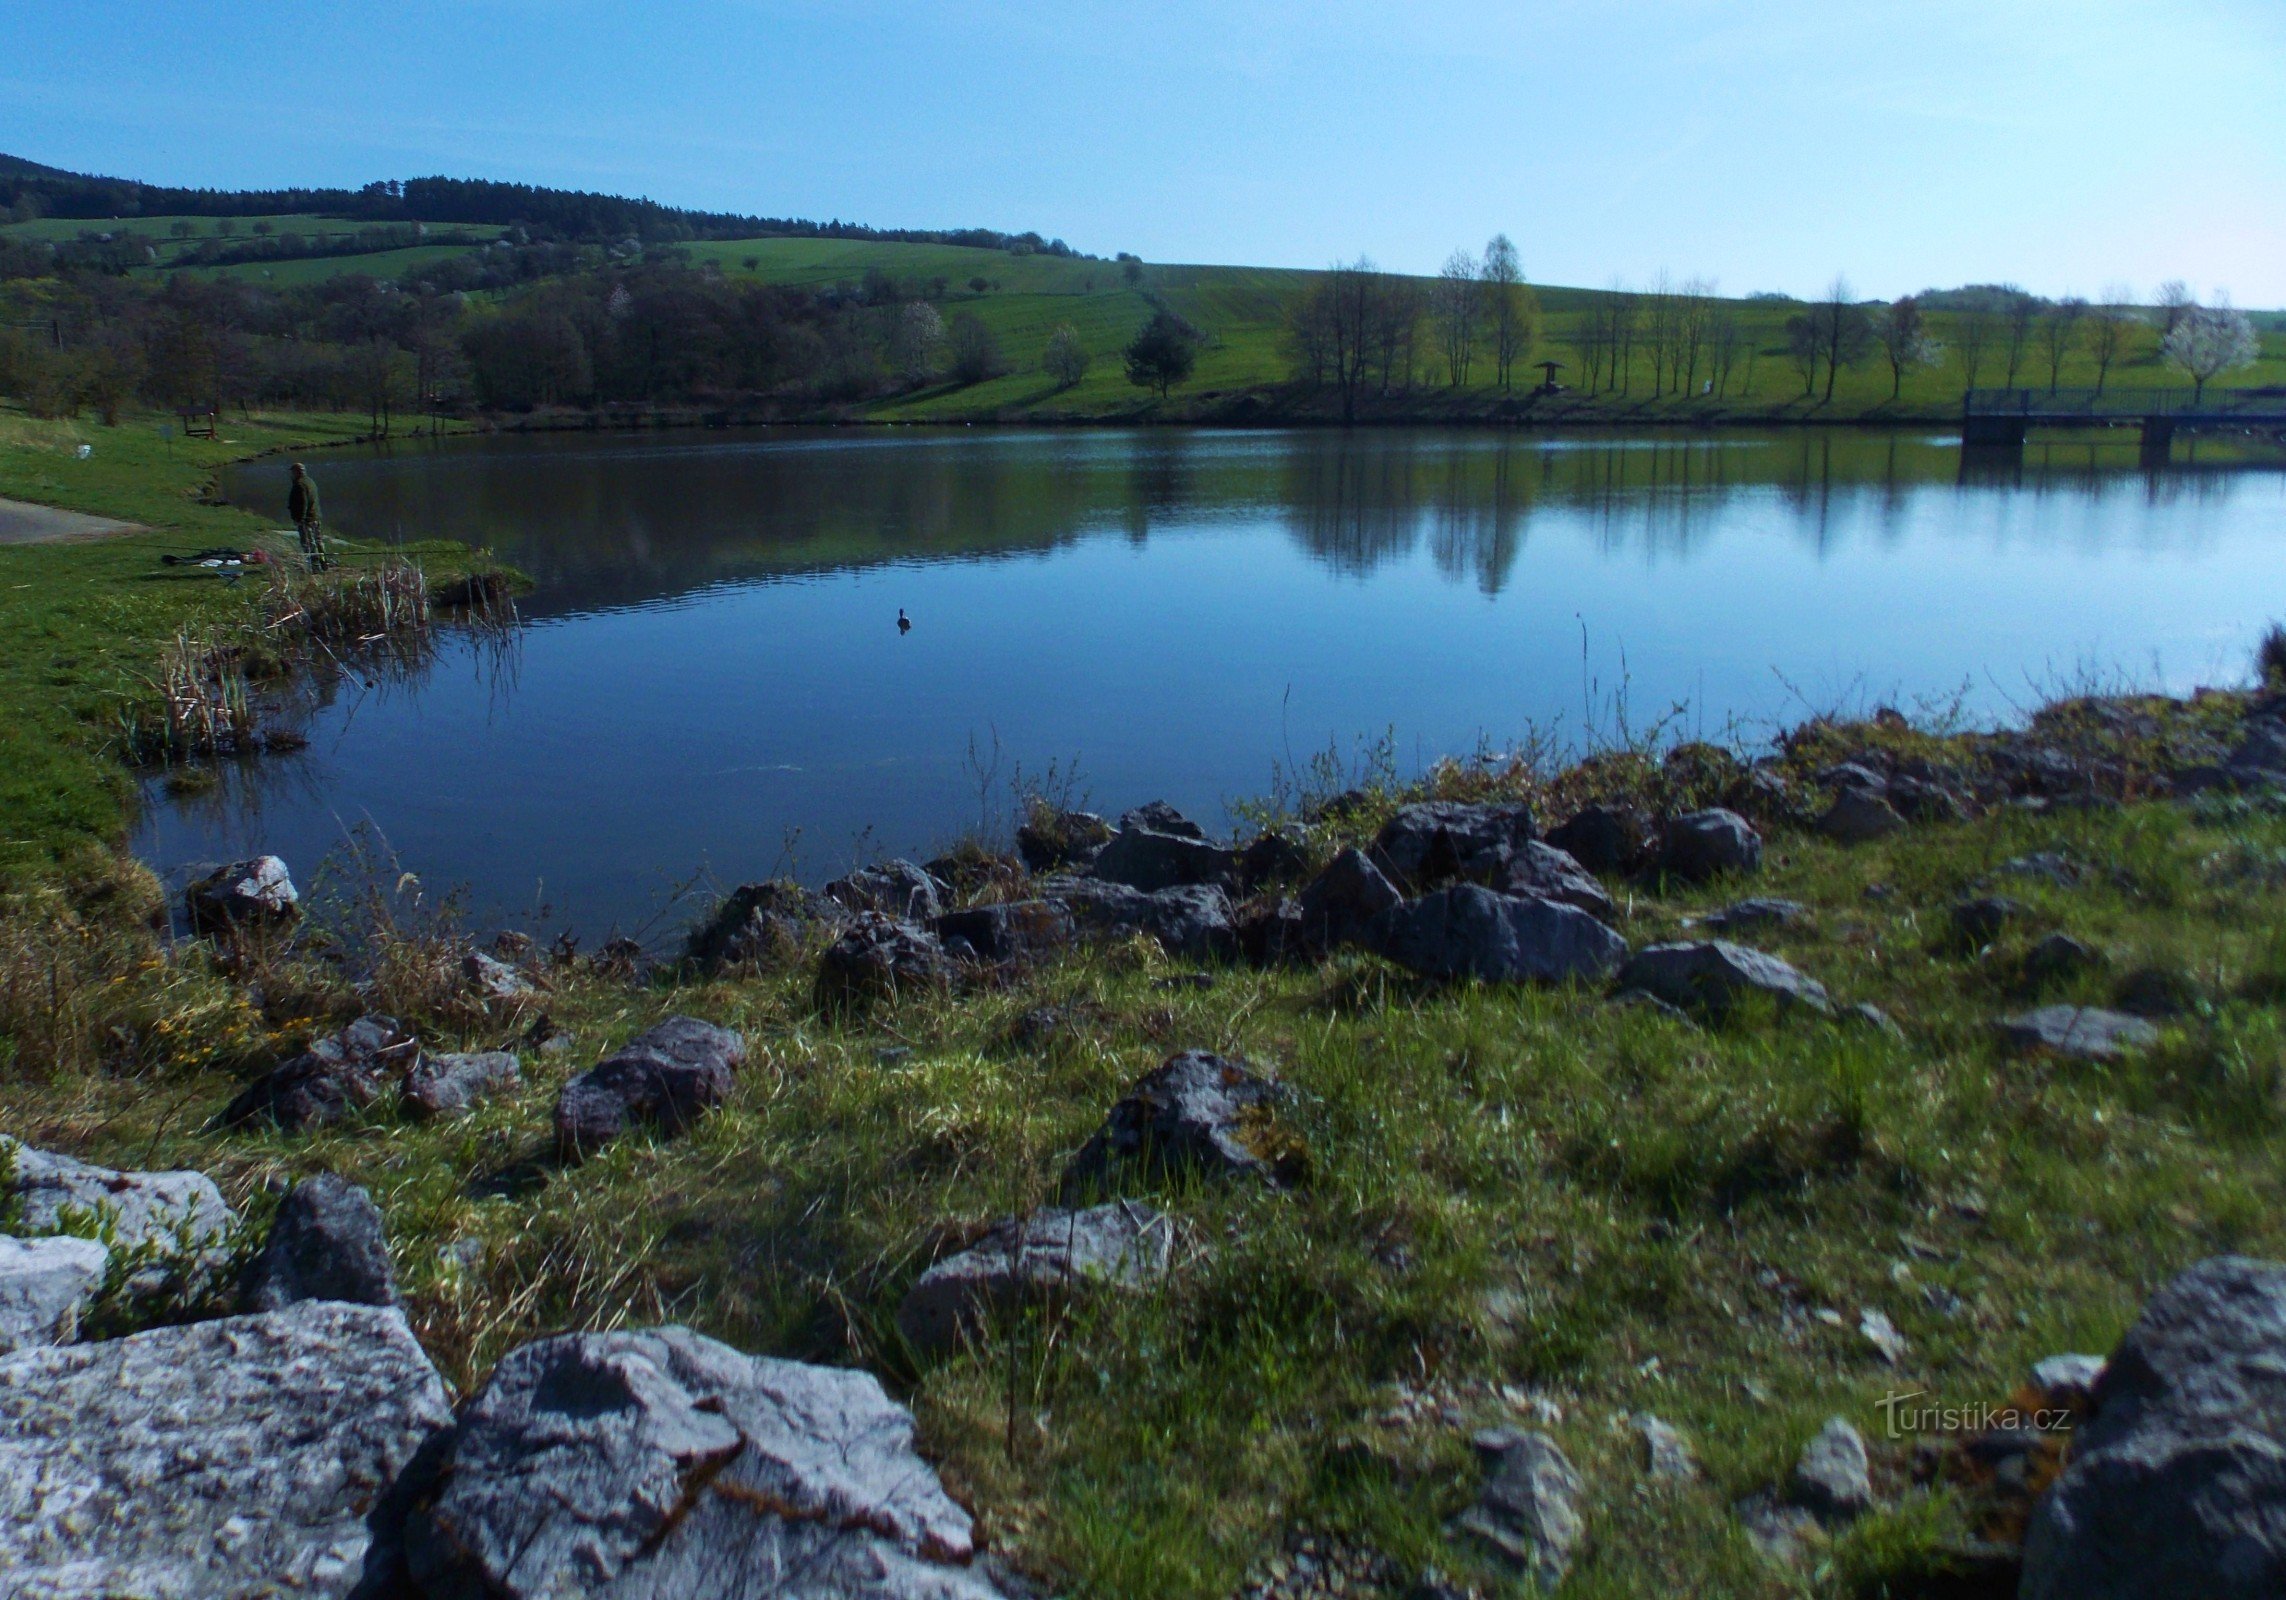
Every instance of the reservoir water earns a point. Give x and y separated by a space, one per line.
711 684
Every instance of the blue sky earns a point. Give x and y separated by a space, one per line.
2065 144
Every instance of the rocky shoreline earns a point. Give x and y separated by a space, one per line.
272 1420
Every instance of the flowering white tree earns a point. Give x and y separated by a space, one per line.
913 343
2207 340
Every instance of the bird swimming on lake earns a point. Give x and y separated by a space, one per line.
904 623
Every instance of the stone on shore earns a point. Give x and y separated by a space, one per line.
2176 1485
1042 1259
1543 871
1195 1113
336 1077
1152 858
134 1209
44 1283
1434 842
1530 1510
666 1077
898 889
1469 932
1706 844
880 958
494 979
1605 838
662 1463
761 924
1858 816
1051 840
1338 905
327 1243
1713 975
252 894
2077 1033
1012 930
447 1085
248 1456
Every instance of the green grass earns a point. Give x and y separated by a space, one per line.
82 626
1514 1194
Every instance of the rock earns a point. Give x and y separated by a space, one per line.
1666 1453
2067 1380
1832 1477
1195 1113
1859 815
2259 761
446 1085
1468 932
1156 816
2053 866
1713 975
1605 838
1918 800
327 1243
1011 931
1434 842
761 924
337 1076
1042 1259
2078 1033
494 979
1707 844
1340 903
247 1456
1878 1331
1867 1014
1271 858
1149 860
246 894
1050 839
1760 793
1644 1000
1044 1027
666 1076
897 889
1529 1510
1192 921
1848 777
1741 915
1543 871
1979 921
43 1285
2059 956
879 958
132 1209
2157 991
2177 1484
1268 933
661 1463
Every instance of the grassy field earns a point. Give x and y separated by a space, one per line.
1525 1207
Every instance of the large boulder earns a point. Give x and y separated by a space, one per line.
1189 920
248 1456
492 979
43 1285
760 924
327 1243
1195 1113
2077 1033
661 1463
1543 871
1012 930
1150 859
1156 816
666 1076
1339 904
337 1076
131 1209
1713 975
1042 1259
898 889
1051 839
253 894
1468 932
2177 1484
446 1085
879 958
1858 816
1434 842
1706 844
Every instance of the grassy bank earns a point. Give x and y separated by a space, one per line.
1526 1206
83 626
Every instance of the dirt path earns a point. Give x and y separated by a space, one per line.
24 523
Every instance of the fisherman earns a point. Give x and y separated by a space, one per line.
302 506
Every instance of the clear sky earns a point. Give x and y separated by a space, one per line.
1767 144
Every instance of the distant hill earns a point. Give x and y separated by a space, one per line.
28 189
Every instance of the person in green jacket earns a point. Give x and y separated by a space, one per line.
302 506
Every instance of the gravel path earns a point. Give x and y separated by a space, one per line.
24 523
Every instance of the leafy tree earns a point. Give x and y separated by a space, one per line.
1163 354
1903 334
975 350
1066 358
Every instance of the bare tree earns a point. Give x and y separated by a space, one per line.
1335 327
2019 312
1393 322
2109 323
1903 334
1626 322
1722 349
1844 331
2059 332
1973 330
1506 307
2174 301
1589 338
1803 348
1458 303
2209 341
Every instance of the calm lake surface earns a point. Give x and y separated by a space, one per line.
711 679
